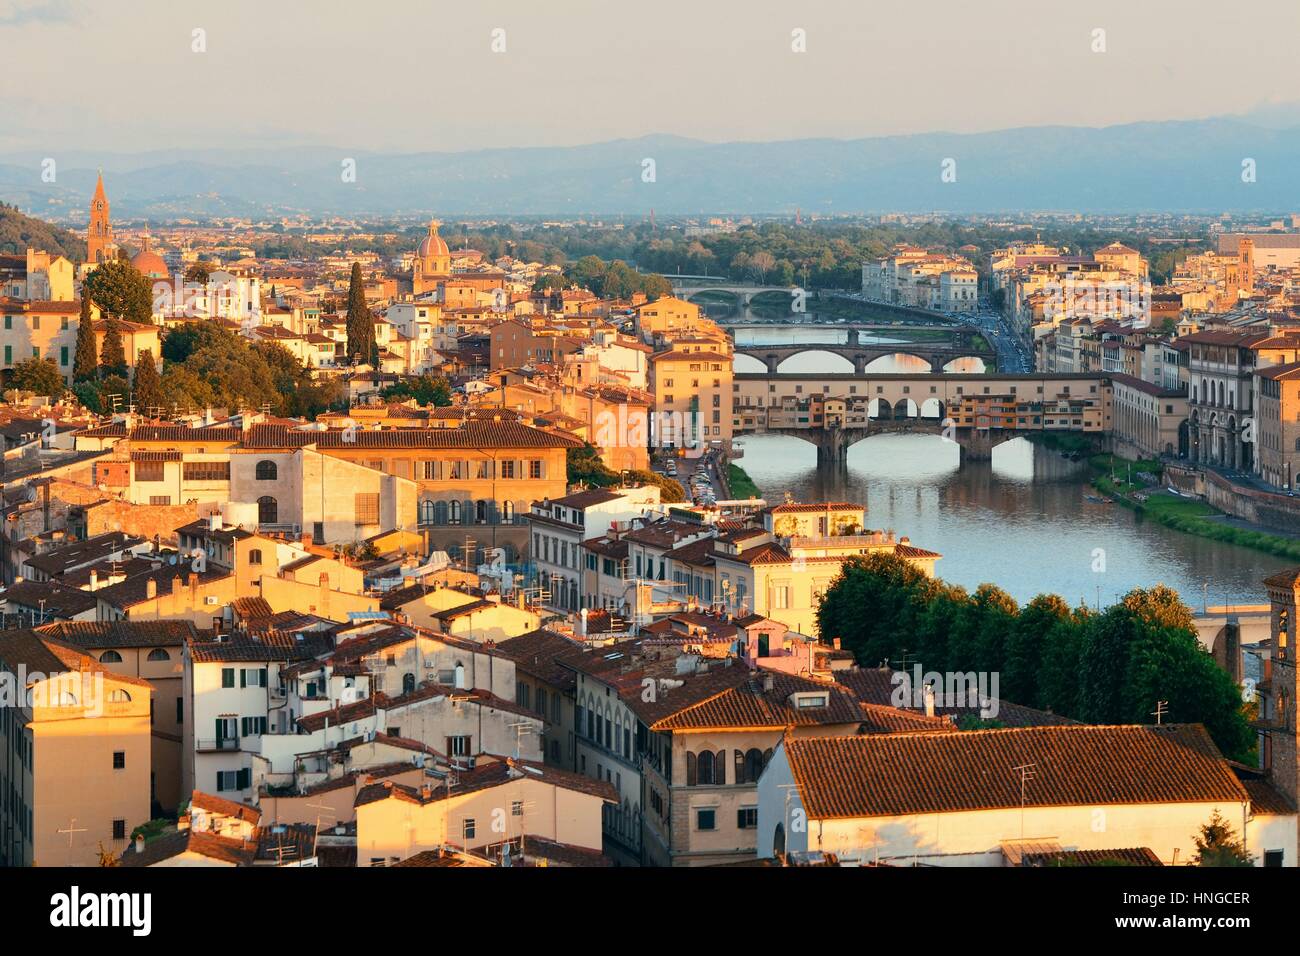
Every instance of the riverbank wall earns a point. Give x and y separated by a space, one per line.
1264 508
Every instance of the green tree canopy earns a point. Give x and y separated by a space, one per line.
120 290
39 375
148 386
427 390
112 355
1218 845
1111 667
360 323
85 363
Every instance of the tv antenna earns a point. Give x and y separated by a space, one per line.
1027 772
1162 708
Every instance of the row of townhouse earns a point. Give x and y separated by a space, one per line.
561 527
776 565
921 279
476 478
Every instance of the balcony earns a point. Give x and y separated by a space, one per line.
216 746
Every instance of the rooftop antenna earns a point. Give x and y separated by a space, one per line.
322 808
520 728
1027 772
1162 708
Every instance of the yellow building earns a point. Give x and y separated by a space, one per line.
48 330
475 481
692 399
491 803
76 745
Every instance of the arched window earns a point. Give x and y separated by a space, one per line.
753 765
704 768
454 511
266 470
460 675
110 657
508 512
778 841
692 770
267 510
158 654
440 512
426 511
480 511
255 556
408 683
118 696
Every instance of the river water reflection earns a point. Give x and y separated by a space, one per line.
1021 522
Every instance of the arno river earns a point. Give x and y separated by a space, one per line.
1022 522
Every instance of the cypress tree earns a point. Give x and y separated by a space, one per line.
86 362
148 386
112 357
361 328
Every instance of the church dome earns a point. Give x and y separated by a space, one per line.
432 244
149 263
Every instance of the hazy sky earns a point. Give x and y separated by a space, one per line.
410 75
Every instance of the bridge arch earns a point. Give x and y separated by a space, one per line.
885 363
964 364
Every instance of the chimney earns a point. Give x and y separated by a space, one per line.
176 587
836 643
150 587
214 521
324 602
94 579
139 843
194 589
768 683
929 700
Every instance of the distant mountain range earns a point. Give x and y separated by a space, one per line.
1192 166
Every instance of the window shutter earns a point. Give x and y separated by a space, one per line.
690 769
243 677
740 819
245 779
720 771
262 676
221 729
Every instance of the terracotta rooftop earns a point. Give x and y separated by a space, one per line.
1079 765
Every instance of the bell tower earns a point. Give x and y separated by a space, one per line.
100 246
1278 701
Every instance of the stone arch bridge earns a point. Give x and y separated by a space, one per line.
835 411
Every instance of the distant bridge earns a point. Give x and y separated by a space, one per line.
742 291
937 353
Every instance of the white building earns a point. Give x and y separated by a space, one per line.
558 528
954 799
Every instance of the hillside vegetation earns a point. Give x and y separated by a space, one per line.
18 232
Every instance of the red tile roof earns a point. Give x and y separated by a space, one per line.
1079 765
